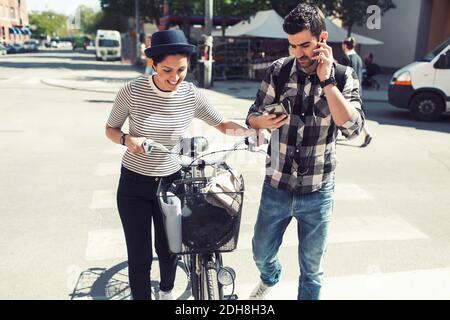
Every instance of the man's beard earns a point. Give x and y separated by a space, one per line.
308 65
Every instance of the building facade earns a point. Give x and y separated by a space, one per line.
408 32
14 21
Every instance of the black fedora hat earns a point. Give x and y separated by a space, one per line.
168 42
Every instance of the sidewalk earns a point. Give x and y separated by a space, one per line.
240 89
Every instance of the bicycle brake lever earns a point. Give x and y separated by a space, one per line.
147 145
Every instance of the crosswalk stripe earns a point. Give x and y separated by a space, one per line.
351 191
115 150
9 79
105 244
32 80
103 199
108 169
21 80
349 229
416 284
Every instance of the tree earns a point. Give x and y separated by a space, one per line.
150 10
355 12
88 19
350 12
49 23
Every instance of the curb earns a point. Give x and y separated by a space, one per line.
75 88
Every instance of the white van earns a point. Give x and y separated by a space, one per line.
108 45
424 86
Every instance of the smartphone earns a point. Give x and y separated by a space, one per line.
321 39
277 108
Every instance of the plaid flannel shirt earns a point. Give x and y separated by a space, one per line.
302 153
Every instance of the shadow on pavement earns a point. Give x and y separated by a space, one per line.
105 79
100 101
106 66
112 284
73 58
385 114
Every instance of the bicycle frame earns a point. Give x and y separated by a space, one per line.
204 269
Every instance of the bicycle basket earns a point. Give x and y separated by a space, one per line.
206 224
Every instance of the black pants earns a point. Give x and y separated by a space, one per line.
136 201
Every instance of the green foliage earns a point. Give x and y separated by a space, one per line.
355 12
88 19
349 11
150 10
49 23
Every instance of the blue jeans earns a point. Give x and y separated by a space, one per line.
312 211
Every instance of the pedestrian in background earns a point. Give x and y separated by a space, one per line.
352 59
149 61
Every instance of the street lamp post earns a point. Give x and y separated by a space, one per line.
138 45
208 42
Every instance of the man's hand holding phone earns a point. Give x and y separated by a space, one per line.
324 57
268 121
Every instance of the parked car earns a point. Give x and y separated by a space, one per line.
10 49
80 42
14 48
3 50
424 86
54 44
19 48
30 46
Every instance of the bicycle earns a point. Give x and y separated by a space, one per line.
205 219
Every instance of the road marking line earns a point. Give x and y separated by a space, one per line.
108 169
116 149
351 229
32 81
415 284
103 199
106 244
372 228
351 191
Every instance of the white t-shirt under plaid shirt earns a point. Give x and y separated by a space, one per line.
161 116
303 152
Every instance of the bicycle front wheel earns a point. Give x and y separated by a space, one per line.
212 288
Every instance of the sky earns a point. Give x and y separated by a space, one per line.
66 7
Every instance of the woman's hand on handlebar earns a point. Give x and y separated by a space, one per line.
134 144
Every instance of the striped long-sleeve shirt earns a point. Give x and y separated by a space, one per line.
161 116
303 152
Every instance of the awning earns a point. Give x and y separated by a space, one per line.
19 30
269 24
14 30
26 31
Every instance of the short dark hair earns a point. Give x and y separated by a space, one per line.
349 43
157 59
305 17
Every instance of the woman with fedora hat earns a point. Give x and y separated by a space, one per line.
159 107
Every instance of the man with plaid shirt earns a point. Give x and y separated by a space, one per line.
322 98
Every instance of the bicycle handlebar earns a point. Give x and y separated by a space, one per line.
149 144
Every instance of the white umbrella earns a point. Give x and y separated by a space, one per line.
269 24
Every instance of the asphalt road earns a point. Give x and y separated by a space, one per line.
61 236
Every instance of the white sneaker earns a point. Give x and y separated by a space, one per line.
165 295
260 292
